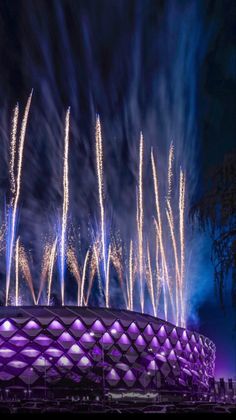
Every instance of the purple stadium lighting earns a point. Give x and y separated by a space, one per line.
42 346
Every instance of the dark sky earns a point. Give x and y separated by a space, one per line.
166 67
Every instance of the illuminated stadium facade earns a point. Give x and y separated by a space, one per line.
75 348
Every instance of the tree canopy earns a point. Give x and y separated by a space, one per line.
216 212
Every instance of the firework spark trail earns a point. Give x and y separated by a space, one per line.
158 224
140 221
93 270
170 172
44 269
12 222
163 270
96 253
169 215
116 259
155 183
50 270
136 269
128 305
73 264
128 297
158 277
131 278
83 277
2 236
150 281
13 149
24 266
65 207
137 210
74 269
108 277
182 245
99 159
17 272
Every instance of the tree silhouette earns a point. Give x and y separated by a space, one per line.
216 213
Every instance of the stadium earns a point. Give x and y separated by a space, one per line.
58 350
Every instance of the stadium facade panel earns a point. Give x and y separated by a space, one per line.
92 347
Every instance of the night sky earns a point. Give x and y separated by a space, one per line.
164 67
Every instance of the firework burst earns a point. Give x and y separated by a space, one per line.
140 267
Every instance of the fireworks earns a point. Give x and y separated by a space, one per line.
131 277
158 275
177 283
93 270
17 272
74 269
170 173
15 189
24 266
44 270
99 157
150 282
83 278
158 225
140 221
96 253
50 269
13 149
108 277
181 233
170 218
65 207
148 270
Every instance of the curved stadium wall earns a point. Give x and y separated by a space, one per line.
93 347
